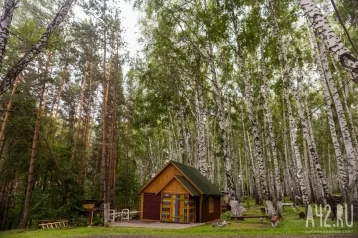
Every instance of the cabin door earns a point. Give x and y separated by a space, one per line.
173 208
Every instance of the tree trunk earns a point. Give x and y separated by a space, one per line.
30 178
6 117
340 52
292 124
104 157
234 196
200 125
350 151
79 115
311 146
268 116
332 125
186 135
87 128
14 71
5 24
349 113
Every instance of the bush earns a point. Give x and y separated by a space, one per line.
226 215
79 221
98 220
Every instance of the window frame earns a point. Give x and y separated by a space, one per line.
211 205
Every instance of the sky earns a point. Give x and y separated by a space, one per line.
130 24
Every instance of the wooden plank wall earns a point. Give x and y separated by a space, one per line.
217 209
174 187
164 177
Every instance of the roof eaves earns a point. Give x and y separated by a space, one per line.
188 189
183 172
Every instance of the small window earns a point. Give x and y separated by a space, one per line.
211 205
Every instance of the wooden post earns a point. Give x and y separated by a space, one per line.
201 209
141 205
91 217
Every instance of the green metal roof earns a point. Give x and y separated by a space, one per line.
197 179
187 185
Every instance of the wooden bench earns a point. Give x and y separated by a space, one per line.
243 217
275 220
53 224
291 205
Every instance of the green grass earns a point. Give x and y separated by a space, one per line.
290 225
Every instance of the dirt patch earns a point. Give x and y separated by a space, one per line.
161 225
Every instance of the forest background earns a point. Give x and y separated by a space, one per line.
260 96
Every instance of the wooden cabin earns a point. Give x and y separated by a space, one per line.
180 193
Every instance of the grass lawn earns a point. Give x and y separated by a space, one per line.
290 225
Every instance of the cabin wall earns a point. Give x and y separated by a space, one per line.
162 179
174 187
207 216
151 206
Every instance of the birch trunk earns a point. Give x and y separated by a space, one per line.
272 137
349 113
332 125
234 196
188 156
311 147
350 151
5 23
340 52
11 75
200 129
290 182
292 124
310 178
254 126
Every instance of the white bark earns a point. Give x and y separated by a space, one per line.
186 135
311 145
5 23
332 125
288 163
292 124
340 52
350 151
200 129
234 196
268 115
349 114
11 75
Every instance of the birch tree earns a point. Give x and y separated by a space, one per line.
15 70
5 23
331 40
350 151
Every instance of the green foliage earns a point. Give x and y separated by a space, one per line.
226 215
98 220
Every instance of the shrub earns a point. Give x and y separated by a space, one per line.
226 215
